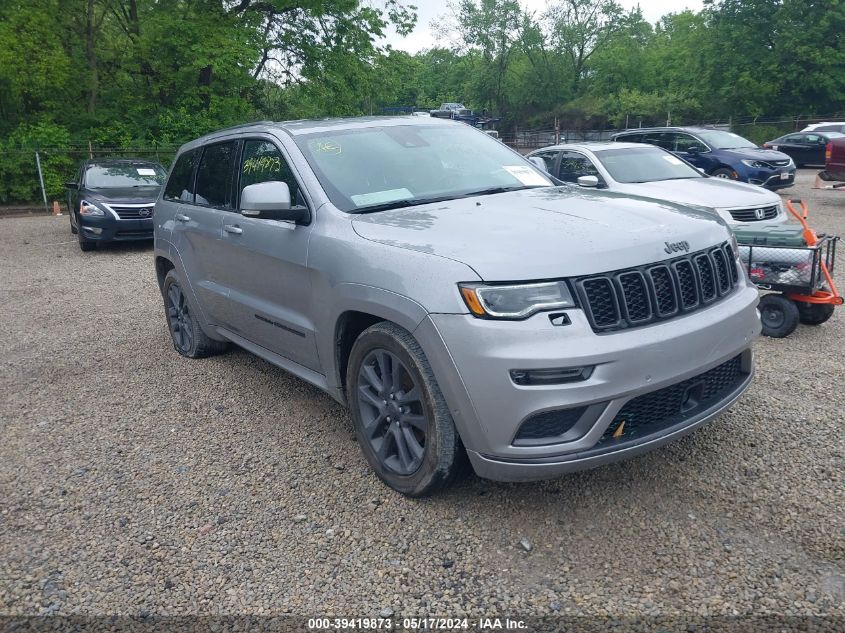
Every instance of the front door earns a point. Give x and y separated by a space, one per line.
263 265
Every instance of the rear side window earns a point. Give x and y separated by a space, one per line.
180 185
262 162
214 176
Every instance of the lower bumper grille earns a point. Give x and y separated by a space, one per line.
658 410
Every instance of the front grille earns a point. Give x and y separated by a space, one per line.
638 296
778 163
134 213
148 234
655 411
754 215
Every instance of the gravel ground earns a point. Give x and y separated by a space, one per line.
134 481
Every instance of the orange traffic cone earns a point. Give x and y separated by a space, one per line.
57 210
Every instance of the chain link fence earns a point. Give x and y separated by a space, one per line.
21 184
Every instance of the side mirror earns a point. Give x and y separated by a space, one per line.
71 185
271 201
588 181
539 163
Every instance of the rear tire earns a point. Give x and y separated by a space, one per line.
814 313
778 315
185 332
401 419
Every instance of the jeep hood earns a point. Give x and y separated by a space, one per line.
545 232
715 193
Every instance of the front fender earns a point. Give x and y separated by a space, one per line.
372 300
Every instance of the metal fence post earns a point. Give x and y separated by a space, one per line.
41 180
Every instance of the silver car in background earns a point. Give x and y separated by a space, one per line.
437 283
650 171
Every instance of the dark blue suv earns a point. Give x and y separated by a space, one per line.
720 154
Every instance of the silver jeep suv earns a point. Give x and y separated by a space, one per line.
452 296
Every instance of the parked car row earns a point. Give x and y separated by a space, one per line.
535 315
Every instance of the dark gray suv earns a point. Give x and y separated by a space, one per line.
458 302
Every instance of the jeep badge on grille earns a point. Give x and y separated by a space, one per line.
674 247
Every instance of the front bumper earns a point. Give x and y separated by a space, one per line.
114 230
475 357
772 179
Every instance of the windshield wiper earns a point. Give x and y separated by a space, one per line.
413 202
494 190
399 204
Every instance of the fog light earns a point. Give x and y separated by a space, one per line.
552 376
93 229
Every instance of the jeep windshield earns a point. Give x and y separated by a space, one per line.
724 140
124 175
385 167
644 164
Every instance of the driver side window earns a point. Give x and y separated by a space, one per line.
574 165
683 143
263 162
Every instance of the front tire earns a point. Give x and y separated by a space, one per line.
814 313
401 419
185 331
723 173
778 315
84 244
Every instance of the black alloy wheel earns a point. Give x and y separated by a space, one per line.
179 319
390 405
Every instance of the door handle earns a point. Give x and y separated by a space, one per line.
233 228
181 217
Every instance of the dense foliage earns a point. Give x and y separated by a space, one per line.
154 73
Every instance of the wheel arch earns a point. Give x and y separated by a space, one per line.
163 266
361 307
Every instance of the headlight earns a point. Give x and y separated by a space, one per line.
89 209
516 301
756 164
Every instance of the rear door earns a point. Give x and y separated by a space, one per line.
815 145
200 194
794 146
263 263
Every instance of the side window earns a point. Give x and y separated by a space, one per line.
574 165
180 185
630 138
684 141
666 140
263 162
548 159
794 138
813 139
214 175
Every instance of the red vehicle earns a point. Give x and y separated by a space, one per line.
835 159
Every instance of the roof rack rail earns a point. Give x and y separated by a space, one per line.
240 125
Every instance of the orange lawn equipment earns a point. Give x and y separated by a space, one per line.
830 296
